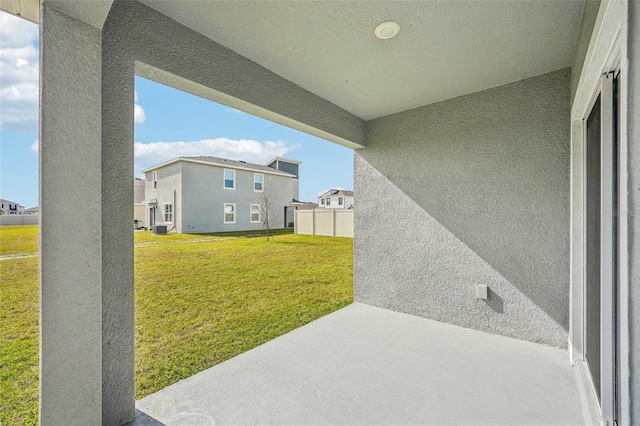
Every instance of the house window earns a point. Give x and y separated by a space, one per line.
229 179
341 201
168 213
257 182
255 213
322 201
229 213
155 180
328 201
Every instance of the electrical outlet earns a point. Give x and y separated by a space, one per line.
483 291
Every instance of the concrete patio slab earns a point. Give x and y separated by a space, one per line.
368 366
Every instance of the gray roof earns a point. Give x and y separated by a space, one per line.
217 161
338 192
308 206
3 201
237 164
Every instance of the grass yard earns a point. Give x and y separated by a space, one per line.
200 300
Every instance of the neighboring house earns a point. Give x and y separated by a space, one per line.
139 215
32 211
11 207
211 194
496 143
336 199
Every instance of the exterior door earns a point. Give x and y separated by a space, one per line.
602 238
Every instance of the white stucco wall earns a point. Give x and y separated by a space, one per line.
473 190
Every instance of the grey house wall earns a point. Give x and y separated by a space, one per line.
169 190
472 190
204 197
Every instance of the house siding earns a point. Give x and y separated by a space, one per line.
472 190
204 198
169 191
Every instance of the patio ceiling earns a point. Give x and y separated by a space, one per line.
444 49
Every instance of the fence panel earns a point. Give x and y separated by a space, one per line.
343 223
303 222
19 219
325 222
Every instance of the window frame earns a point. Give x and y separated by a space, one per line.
341 201
255 175
224 214
251 213
224 179
322 201
327 202
154 179
164 212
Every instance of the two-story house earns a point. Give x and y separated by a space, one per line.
211 194
336 199
11 207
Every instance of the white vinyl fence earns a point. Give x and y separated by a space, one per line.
19 219
326 222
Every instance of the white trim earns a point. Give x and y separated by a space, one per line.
154 180
577 207
251 213
607 52
607 273
224 213
261 183
224 179
164 213
286 160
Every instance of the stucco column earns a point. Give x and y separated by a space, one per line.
86 255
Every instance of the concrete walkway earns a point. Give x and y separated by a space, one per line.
368 366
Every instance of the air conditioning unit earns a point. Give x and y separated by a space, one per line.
160 229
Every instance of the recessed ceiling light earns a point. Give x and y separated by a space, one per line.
387 30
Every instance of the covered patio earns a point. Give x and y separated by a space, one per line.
368 366
497 240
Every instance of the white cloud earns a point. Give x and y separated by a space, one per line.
18 74
138 112
252 151
34 146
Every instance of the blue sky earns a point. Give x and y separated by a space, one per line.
168 123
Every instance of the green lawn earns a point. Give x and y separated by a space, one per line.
200 300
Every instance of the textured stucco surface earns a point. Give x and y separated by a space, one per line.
86 144
633 48
474 190
87 374
363 365
589 16
182 58
70 262
118 377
